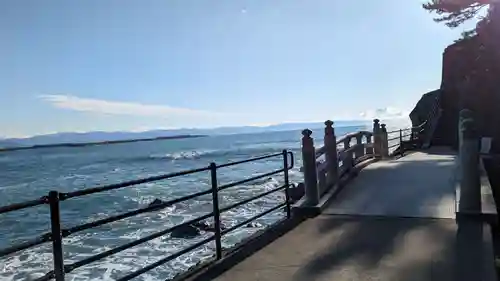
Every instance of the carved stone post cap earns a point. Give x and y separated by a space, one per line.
469 129
376 121
307 133
329 123
383 129
466 113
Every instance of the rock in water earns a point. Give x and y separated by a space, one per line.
185 231
296 192
157 202
206 226
202 225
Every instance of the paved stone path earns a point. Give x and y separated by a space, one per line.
395 221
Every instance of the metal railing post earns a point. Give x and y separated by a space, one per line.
384 142
309 168
401 144
377 140
287 183
57 245
216 210
331 156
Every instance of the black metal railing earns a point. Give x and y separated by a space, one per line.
415 136
58 232
405 139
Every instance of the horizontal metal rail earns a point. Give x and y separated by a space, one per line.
25 245
71 267
128 183
252 160
167 259
58 232
23 205
107 220
226 186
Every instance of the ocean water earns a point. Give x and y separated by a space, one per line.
30 174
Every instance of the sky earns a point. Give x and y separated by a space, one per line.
127 65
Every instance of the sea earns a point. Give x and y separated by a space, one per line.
30 174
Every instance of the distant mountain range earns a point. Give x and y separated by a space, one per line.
91 137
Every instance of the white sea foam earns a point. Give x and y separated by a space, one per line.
35 262
194 154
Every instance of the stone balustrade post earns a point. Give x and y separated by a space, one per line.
309 169
369 150
347 162
470 189
463 115
360 150
384 142
331 154
377 141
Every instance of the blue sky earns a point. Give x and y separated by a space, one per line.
137 65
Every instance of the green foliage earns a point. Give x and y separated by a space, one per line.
453 13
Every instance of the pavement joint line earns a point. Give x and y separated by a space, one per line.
361 216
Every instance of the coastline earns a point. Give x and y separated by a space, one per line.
6 149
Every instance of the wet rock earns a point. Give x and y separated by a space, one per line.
202 225
296 192
206 226
156 202
185 231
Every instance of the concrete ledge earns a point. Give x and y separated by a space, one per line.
475 258
300 209
488 268
488 212
213 268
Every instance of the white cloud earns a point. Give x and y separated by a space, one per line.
121 108
384 113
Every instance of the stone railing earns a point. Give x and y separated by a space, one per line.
476 209
324 167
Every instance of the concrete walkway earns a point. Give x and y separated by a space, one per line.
420 185
395 221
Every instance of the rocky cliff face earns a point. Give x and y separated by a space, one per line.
419 114
470 79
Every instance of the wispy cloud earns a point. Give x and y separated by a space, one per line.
121 108
384 113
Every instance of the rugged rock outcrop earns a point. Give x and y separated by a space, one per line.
156 202
419 114
206 226
185 231
471 68
296 192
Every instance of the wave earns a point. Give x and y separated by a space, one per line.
249 151
183 155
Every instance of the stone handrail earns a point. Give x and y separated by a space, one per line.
324 167
320 151
340 156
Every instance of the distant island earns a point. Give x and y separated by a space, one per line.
76 139
97 143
